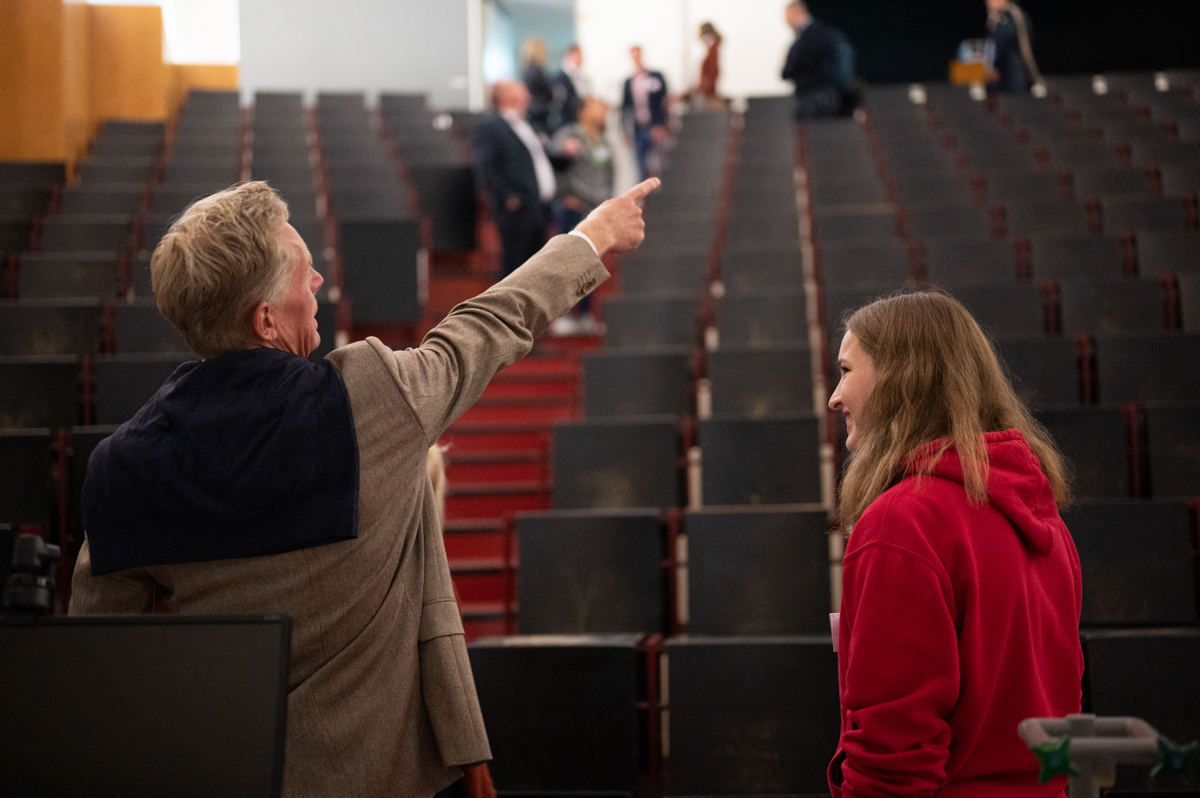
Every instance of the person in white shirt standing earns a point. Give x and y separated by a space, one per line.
516 174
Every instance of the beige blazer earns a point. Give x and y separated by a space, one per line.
382 701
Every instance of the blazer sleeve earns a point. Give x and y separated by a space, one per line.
445 375
129 591
900 676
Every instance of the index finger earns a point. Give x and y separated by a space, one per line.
643 189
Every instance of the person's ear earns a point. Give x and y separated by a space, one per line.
262 322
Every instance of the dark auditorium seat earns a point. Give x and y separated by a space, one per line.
1189 301
969 261
380 269
761 380
591 572
851 264
1180 179
750 267
46 275
1136 215
1005 311
39 391
1148 674
1173 438
103 198
49 326
831 227
1104 307
1086 257
1095 442
627 462
762 318
760 571
1161 254
126 382
637 382
662 270
651 321
90 233
1045 373
767 460
117 169
1137 559
27 494
529 685
946 221
1111 182
1046 218
1020 186
140 327
1148 368
752 715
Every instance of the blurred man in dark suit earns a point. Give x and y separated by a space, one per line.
513 169
645 102
809 65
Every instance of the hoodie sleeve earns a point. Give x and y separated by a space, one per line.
900 667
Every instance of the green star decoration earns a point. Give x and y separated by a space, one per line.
1177 759
1055 757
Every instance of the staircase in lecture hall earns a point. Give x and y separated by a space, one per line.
498 459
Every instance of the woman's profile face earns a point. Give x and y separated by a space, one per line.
858 378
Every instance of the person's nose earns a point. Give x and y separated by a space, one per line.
835 401
317 280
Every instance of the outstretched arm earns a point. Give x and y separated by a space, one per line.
444 376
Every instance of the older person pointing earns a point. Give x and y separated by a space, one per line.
257 482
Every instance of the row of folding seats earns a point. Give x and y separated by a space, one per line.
434 154
742 715
372 208
28 191
765 570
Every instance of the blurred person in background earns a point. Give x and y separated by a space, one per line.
644 110
811 65
586 182
1008 53
570 87
514 171
533 54
705 94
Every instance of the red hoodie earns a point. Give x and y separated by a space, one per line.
958 621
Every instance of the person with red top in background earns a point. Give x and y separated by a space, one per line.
961 586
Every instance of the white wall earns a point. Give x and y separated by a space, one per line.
359 45
194 31
755 42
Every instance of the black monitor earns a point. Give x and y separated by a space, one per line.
144 705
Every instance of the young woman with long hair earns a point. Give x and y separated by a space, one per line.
961 586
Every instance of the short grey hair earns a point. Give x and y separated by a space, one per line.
219 260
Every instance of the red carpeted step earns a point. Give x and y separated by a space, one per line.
466 467
551 387
535 414
496 437
478 581
483 620
495 500
474 539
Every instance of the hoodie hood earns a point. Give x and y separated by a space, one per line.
252 453
1016 485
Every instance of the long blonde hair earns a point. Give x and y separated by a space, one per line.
937 378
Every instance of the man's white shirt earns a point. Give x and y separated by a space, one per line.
541 162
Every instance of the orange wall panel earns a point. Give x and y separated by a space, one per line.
129 78
31 80
78 123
